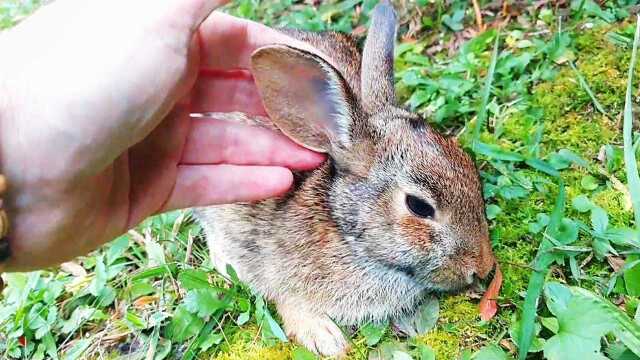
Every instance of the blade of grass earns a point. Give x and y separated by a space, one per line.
541 265
587 89
486 92
493 151
543 166
631 166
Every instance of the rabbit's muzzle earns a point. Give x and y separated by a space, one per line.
463 268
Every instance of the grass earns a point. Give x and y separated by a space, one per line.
534 100
631 165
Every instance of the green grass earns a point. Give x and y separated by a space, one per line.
538 111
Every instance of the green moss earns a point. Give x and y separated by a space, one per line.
516 246
445 344
459 327
616 205
457 309
582 134
604 65
245 344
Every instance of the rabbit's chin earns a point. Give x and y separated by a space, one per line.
448 289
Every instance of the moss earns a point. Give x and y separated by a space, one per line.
445 344
516 246
460 316
584 135
615 203
245 344
458 309
602 64
459 327
359 350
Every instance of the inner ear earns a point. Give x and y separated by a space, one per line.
305 97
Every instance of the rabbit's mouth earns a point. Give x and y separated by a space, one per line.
453 289
447 282
471 287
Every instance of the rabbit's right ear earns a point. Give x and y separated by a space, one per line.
305 97
378 87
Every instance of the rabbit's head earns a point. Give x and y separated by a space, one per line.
405 198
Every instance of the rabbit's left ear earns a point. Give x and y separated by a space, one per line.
305 97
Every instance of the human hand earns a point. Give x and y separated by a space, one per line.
95 133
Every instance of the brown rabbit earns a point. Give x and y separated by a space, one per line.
394 214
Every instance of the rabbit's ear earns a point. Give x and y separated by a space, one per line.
304 96
377 59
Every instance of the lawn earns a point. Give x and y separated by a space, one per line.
535 92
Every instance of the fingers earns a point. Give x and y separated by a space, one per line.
227 42
213 141
219 92
203 185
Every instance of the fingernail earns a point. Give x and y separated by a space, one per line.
5 250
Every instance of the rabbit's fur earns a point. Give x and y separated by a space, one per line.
342 245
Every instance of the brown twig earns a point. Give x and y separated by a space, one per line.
187 255
476 10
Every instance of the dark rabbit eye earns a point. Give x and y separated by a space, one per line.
420 207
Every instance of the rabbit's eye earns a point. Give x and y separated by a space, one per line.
420 207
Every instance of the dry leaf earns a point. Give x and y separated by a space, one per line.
615 262
508 345
73 268
488 305
143 301
602 155
137 237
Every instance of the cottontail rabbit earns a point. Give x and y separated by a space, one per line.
394 214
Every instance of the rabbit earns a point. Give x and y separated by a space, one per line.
396 212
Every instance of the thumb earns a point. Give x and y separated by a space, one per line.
196 11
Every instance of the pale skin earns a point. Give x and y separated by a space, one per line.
95 132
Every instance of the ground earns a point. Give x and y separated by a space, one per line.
553 115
